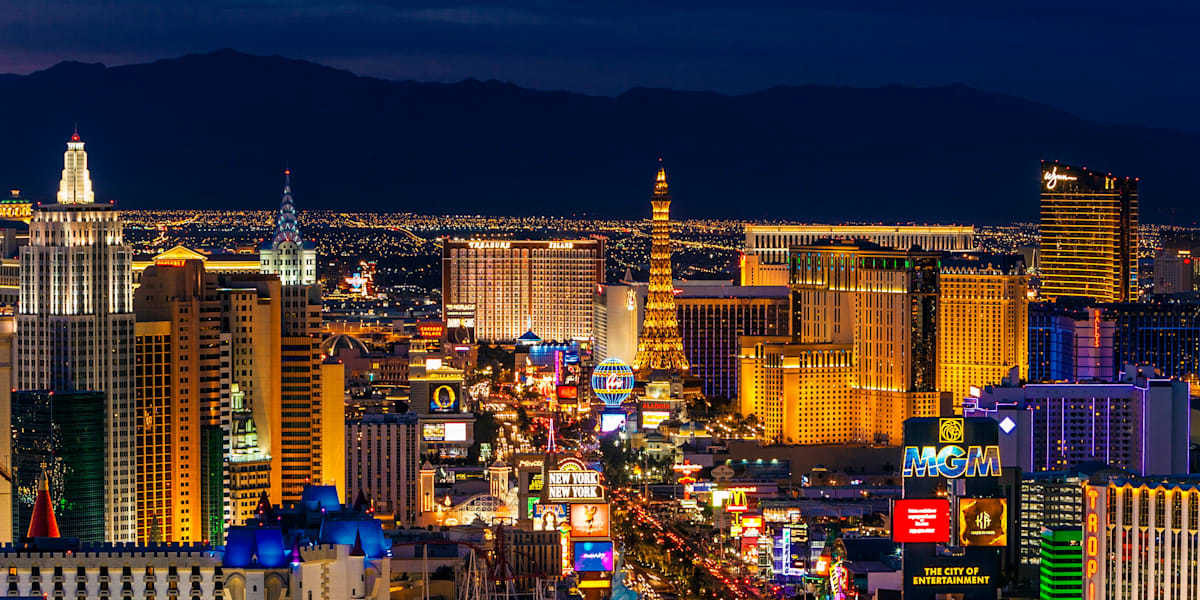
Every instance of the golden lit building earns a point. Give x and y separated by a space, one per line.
983 328
221 264
1089 234
864 318
764 261
660 347
308 444
515 286
194 342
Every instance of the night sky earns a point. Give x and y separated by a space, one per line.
1114 61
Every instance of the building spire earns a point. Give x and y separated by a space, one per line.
287 226
43 524
660 348
75 187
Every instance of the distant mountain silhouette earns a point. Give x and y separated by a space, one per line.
216 130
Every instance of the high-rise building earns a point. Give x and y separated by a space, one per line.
208 372
7 329
660 349
1174 272
1061 555
1140 423
61 434
515 286
308 447
1089 234
382 461
1138 539
1048 499
618 313
864 321
76 332
288 254
1071 342
712 317
766 250
983 325
1162 333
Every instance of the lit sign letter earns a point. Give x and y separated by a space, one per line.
917 460
950 462
984 461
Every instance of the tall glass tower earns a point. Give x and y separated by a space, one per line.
1089 234
75 321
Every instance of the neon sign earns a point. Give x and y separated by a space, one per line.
489 245
1052 178
951 461
1091 543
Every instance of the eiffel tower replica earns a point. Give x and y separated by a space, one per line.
660 347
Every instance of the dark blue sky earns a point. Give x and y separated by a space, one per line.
1121 62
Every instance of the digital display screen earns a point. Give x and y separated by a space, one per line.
652 419
456 432
593 556
918 521
589 520
611 422
983 522
433 432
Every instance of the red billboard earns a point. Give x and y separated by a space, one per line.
567 392
918 521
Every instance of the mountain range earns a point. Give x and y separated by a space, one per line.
217 130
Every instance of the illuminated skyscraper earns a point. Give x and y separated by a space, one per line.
765 258
288 254
863 350
983 324
75 321
660 347
307 445
516 286
75 187
1089 234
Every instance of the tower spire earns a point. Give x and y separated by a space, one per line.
660 347
43 523
75 187
287 225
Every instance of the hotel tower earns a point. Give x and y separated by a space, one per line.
1089 234
75 321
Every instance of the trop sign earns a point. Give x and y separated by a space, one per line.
951 458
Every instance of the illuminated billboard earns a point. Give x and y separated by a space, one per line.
433 432
548 517
589 520
431 329
456 432
612 380
610 422
593 556
444 399
566 392
652 419
955 455
919 521
573 485
983 522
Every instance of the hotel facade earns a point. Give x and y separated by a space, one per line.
515 286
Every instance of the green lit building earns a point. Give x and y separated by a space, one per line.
1062 563
62 432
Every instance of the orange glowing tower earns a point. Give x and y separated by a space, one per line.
660 348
